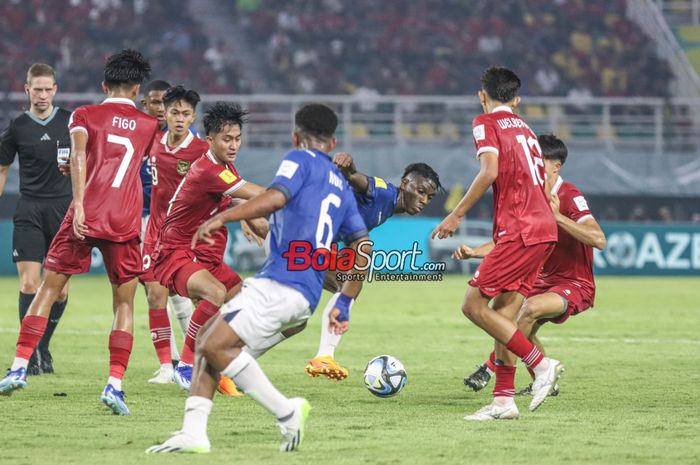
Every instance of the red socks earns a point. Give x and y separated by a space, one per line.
159 324
204 311
505 381
120 344
491 362
523 348
33 327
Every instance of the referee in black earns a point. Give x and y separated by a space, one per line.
40 138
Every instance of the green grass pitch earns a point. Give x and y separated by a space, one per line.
629 395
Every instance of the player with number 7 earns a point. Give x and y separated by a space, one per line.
524 232
108 144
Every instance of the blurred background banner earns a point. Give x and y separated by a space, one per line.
632 249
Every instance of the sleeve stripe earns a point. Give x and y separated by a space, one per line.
355 236
486 149
584 218
283 189
78 128
235 187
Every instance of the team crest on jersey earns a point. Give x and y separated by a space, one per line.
227 176
183 166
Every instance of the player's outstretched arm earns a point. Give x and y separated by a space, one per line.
261 206
247 191
3 177
358 181
487 176
339 318
464 252
78 172
255 230
588 232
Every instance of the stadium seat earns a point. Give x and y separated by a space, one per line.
449 131
425 130
359 131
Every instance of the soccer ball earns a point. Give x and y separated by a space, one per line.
385 376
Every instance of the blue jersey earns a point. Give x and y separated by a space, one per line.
378 203
320 209
146 183
147 177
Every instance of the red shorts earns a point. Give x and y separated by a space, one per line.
70 255
511 266
578 298
173 267
147 276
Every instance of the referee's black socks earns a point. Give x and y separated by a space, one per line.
54 317
25 300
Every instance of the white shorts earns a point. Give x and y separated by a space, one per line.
263 308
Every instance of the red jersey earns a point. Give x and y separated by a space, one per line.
119 137
571 260
168 167
201 194
521 208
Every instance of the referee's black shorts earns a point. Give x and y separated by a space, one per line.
36 222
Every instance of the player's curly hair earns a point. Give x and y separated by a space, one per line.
553 148
179 93
500 83
423 169
126 68
222 114
316 120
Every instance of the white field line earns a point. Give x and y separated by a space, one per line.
575 339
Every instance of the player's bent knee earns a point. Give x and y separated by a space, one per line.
470 311
531 312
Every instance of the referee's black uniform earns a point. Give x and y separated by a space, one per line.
45 196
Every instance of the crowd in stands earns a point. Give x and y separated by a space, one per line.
404 47
75 36
559 47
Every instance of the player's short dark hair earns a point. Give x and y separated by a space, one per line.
316 120
40 70
126 68
179 93
553 148
501 84
222 114
158 85
423 169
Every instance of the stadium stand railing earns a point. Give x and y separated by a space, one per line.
647 125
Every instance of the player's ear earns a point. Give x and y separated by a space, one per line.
295 139
26 89
332 143
105 89
516 101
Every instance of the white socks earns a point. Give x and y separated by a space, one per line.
19 363
115 382
249 377
541 367
197 410
329 341
182 309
